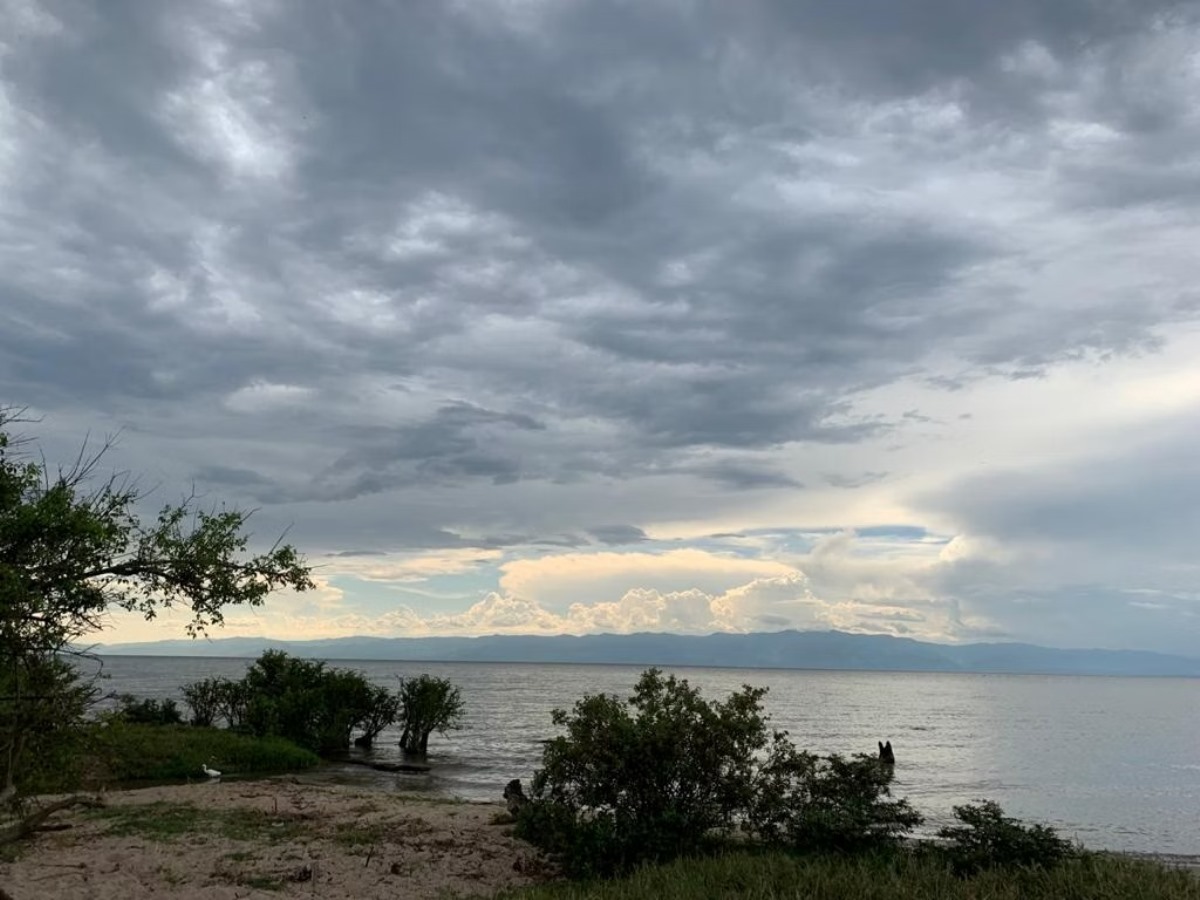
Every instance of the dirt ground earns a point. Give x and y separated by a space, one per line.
272 839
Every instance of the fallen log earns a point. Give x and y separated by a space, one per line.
32 822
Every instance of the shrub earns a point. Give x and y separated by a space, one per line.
203 698
646 779
298 699
988 838
382 709
148 711
232 698
808 803
282 697
427 704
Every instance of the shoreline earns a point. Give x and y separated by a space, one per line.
291 836
277 837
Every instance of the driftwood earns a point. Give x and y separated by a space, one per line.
31 823
514 797
886 756
411 768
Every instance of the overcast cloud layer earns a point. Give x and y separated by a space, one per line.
537 316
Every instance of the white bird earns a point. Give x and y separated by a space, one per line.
211 773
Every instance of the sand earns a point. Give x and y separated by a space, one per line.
275 838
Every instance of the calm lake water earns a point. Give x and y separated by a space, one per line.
1113 762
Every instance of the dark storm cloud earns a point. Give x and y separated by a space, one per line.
225 475
580 241
746 476
849 482
909 47
617 534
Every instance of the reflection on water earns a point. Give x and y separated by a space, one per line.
1114 762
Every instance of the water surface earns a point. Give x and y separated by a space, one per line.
1114 762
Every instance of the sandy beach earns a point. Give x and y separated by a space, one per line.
284 837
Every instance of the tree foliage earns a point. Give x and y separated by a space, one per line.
427 704
148 711
645 779
810 803
666 773
74 547
302 700
986 838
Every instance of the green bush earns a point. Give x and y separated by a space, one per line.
382 709
987 839
203 698
297 699
148 711
808 803
647 779
427 704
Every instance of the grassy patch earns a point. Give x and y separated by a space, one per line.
128 753
351 834
169 822
895 876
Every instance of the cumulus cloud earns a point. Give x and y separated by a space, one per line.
564 579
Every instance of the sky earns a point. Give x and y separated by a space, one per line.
559 316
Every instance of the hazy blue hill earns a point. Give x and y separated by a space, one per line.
783 649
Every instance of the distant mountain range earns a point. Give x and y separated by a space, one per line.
774 650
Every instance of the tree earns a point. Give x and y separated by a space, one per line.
148 711
204 698
427 704
73 548
301 700
650 778
383 708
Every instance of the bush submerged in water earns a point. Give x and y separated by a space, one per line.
426 704
301 700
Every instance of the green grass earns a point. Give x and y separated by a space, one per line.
126 753
167 822
897 876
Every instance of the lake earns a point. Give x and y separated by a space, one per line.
1112 762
